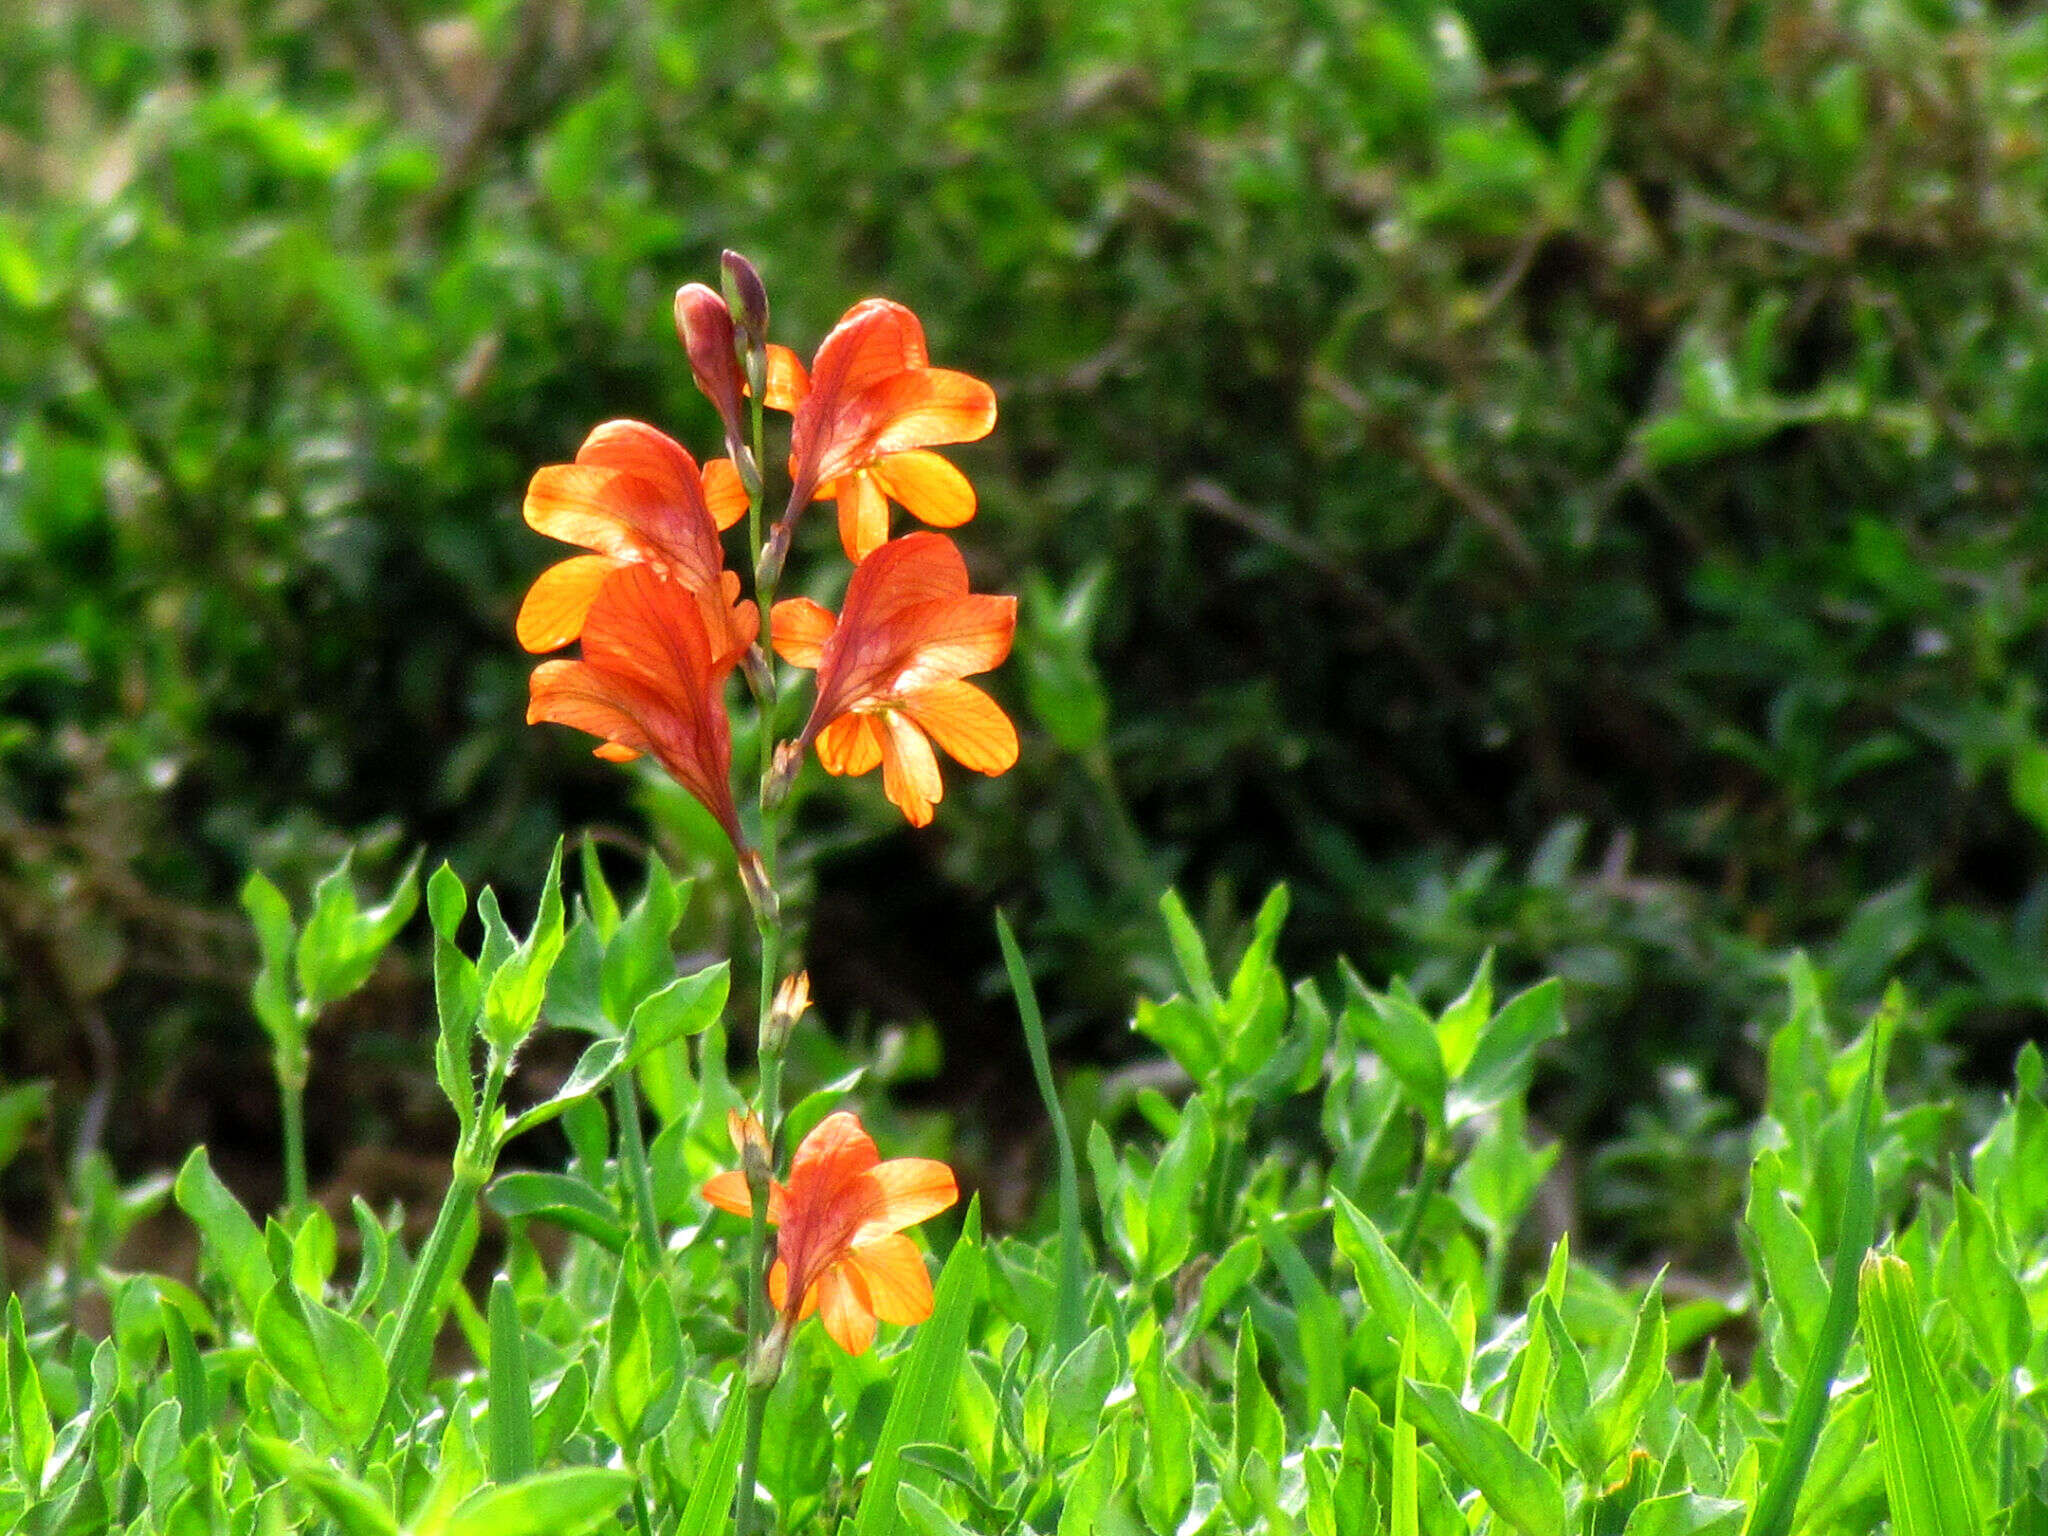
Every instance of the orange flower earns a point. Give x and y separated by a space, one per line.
652 680
870 406
634 496
842 1214
890 669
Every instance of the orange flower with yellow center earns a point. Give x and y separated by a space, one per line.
652 680
841 1216
634 496
865 414
890 670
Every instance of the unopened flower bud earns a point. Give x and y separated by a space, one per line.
747 1133
754 663
789 759
760 891
792 1002
747 298
705 326
769 571
766 1366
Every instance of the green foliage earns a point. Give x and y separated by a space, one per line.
1534 424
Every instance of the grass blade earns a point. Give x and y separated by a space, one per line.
1859 1222
923 1400
711 1494
1925 1477
1068 1320
510 1392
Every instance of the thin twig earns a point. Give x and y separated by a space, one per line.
1403 440
1212 498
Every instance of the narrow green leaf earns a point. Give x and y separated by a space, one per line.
1858 1224
922 1402
689 1005
188 1374
511 1394
565 1501
1402 1491
232 1243
31 1438
1926 1478
597 891
922 1511
718 1470
1393 1295
1067 1317
1521 1490
1191 953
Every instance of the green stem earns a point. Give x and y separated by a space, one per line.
291 1094
1433 1165
633 1163
418 1319
768 1090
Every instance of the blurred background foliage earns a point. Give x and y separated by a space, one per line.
1564 478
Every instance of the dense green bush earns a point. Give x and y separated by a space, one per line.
1570 483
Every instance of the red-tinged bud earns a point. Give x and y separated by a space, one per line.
789 759
705 325
747 298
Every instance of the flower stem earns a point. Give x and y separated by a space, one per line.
414 1335
291 1095
768 1088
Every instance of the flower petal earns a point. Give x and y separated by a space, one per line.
836 1151
929 487
645 451
967 723
646 640
850 745
877 636
846 1309
552 614
909 1189
621 513
863 515
898 1284
728 1191
874 340
577 695
920 408
801 628
725 497
971 634
788 382
930 407
910 772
